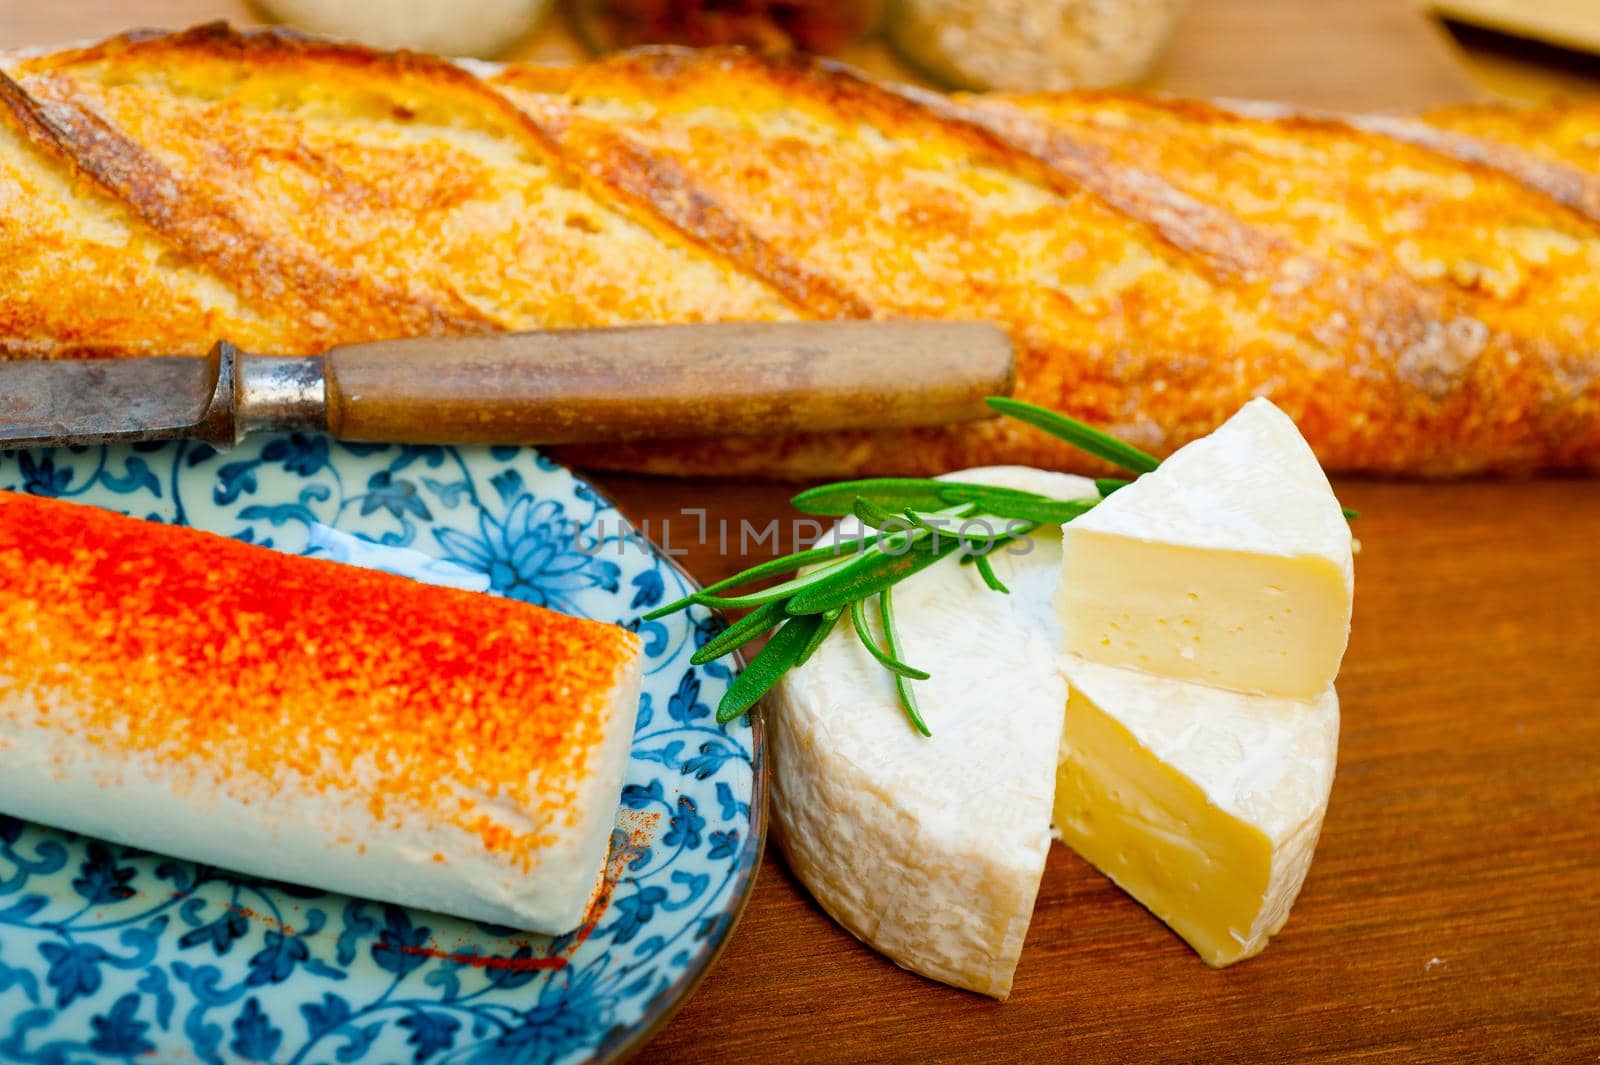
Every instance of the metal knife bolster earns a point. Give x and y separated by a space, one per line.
270 393
260 392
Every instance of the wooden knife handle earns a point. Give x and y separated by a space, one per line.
588 385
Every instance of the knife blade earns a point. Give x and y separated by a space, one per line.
555 387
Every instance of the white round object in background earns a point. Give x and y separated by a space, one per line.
480 28
1032 45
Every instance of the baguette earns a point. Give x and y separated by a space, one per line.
1417 293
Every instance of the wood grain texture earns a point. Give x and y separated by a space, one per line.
1350 55
654 383
1450 913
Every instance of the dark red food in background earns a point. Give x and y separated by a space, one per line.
769 25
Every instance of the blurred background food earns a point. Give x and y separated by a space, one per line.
1348 54
956 44
481 28
771 25
1029 45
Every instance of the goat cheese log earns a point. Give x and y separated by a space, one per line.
307 721
1417 293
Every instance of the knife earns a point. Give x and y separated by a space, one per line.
560 387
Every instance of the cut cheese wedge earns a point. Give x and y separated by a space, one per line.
1230 566
308 721
1203 804
931 849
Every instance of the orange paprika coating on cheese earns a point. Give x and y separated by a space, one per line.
259 672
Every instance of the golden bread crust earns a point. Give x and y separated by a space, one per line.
1417 293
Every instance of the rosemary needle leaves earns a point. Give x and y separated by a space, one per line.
909 524
1079 435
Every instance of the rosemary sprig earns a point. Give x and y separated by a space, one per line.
782 653
885 494
858 618
1106 485
1019 532
741 632
894 493
986 571
786 564
902 685
830 618
909 524
1079 435
867 576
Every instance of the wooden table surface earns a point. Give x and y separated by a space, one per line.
1453 911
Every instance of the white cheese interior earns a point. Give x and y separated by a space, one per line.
1203 804
1230 565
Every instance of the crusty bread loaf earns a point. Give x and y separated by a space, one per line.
1421 294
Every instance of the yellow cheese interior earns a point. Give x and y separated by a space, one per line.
1153 831
1271 624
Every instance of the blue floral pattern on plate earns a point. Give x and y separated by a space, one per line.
110 953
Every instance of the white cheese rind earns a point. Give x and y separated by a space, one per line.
1203 804
931 849
1230 565
329 839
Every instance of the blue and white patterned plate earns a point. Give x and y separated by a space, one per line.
110 953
